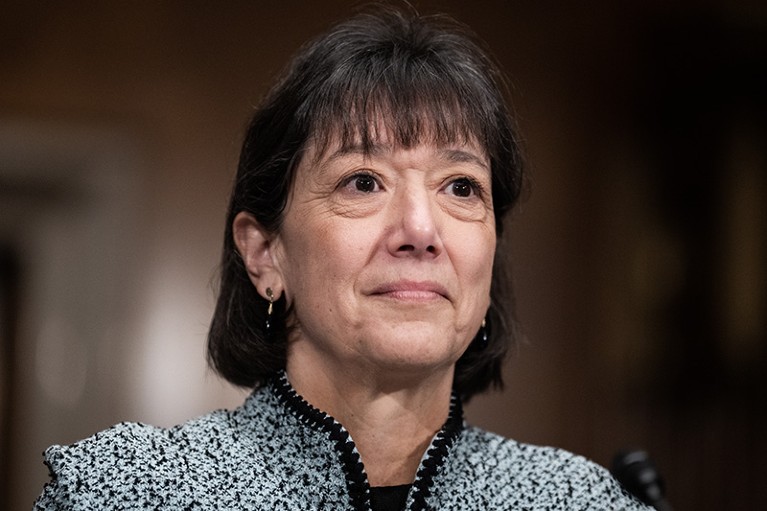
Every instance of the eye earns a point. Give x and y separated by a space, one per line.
462 187
365 183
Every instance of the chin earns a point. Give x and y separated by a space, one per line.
417 351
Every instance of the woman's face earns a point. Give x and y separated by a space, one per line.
387 258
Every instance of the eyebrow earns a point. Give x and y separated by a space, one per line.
450 155
458 156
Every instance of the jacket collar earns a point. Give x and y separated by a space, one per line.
356 478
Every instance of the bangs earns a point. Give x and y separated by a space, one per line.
406 101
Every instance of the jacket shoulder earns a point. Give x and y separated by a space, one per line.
131 463
505 474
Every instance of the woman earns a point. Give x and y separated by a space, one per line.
360 298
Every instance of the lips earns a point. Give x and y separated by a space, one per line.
408 290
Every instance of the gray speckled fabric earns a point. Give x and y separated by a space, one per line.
277 452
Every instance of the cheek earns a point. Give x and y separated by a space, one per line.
474 267
478 254
319 258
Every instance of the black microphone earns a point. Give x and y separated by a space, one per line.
637 473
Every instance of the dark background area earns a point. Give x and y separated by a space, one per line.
638 254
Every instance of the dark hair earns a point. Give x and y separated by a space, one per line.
415 78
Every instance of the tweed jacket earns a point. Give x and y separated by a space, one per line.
277 452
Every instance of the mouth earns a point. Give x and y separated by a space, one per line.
411 291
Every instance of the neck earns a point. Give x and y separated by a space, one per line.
391 422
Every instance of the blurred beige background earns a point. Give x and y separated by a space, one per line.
638 255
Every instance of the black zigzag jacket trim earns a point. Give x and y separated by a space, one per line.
356 478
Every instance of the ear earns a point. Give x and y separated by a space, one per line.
256 247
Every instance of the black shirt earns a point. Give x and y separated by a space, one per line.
389 498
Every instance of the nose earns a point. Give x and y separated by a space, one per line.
415 231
